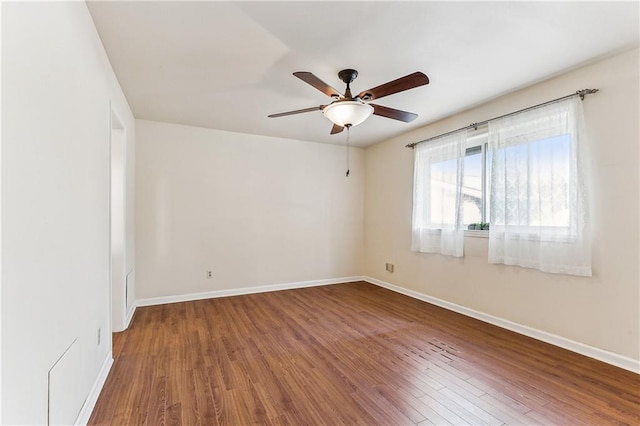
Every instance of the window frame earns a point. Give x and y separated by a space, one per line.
480 138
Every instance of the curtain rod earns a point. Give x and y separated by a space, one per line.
582 93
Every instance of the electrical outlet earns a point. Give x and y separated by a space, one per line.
389 267
209 275
99 330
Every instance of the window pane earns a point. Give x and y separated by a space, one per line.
537 182
443 192
487 179
549 182
472 186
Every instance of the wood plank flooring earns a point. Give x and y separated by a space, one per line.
350 354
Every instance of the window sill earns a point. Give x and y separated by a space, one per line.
476 233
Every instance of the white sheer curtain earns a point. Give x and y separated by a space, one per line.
538 206
437 214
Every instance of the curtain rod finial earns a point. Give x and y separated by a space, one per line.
584 92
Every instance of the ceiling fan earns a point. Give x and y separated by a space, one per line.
348 110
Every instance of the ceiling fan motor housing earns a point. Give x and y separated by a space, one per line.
348 75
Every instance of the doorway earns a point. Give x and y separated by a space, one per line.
118 224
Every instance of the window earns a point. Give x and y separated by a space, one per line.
523 173
543 168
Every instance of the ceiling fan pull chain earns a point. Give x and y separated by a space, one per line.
348 133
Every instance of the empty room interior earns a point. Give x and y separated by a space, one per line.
307 213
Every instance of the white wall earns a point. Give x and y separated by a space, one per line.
602 311
1 3
255 210
57 89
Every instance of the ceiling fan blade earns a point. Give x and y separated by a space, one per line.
400 85
336 129
298 111
311 79
396 114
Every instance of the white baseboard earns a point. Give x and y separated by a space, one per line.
241 291
590 351
132 310
90 402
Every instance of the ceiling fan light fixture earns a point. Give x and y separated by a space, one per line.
347 113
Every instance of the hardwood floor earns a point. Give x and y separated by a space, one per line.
348 354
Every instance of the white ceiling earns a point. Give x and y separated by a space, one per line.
227 65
